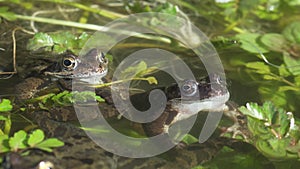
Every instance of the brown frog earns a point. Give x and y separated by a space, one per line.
69 66
80 152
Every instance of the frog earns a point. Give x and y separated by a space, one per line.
69 66
74 153
77 144
187 100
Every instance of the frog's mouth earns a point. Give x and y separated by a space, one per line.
187 109
82 73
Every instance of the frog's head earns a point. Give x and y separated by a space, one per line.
92 64
187 99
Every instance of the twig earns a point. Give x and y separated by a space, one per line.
94 27
14 52
48 12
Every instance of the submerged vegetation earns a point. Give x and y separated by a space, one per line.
258 42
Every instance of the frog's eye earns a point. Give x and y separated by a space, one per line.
189 88
69 63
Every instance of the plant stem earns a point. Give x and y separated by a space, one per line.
93 27
61 22
118 81
283 80
102 12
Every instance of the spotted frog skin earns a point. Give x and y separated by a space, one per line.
186 100
70 66
80 152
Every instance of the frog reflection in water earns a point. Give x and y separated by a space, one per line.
79 151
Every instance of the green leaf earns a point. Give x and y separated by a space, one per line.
35 137
281 123
189 139
40 41
82 39
253 110
58 99
7 125
269 116
17 141
86 96
167 8
147 71
249 43
6 14
63 38
48 149
258 128
46 97
228 158
99 99
273 135
5 105
293 64
132 71
263 12
273 151
63 41
288 88
4 146
283 71
66 98
292 32
297 80
48 144
152 80
293 2
268 111
274 41
245 5
260 67
269 77
58 42
270 92
3 117
294 148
